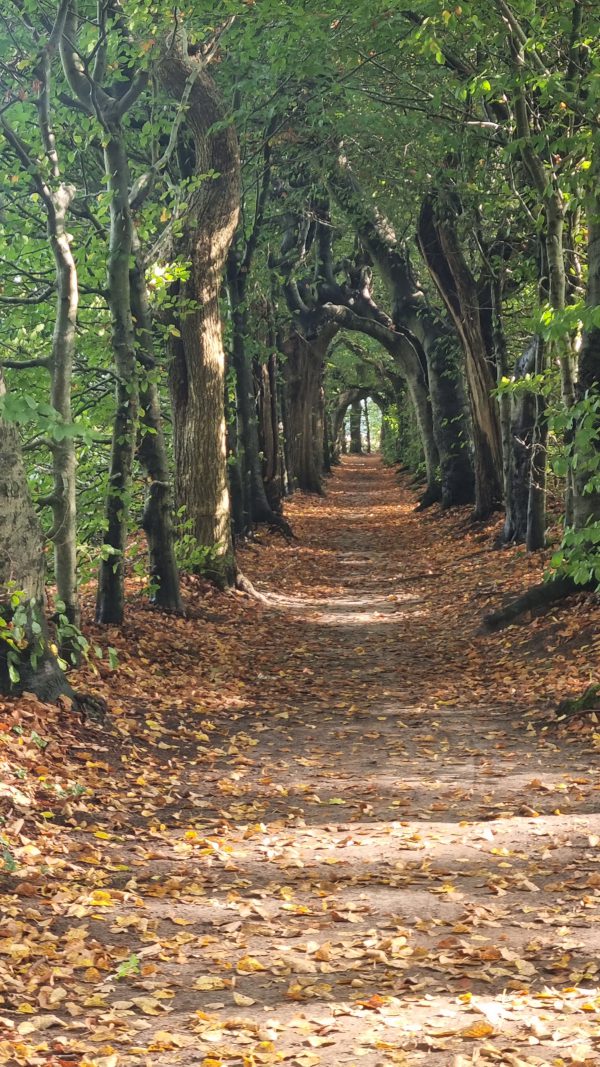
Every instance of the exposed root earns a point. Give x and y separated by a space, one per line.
539 596
277 524
432 495
244 585
588 701
92 709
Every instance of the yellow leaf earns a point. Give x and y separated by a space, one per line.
101 897
248 964
481 1029
210 981
245 1002
163 1040
148 1005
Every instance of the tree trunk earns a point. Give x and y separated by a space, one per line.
197 378
449 269
522 415
518 426
545 183
355 429
269 434
303 371
152 454
64 460
327 444
383 437
284 444
587 504
34 668
367 425
248 446
536 505
505 408
237 505
110 601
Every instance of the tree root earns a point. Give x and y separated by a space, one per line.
588 701
244 585
432 495
277 524
91 709
540 596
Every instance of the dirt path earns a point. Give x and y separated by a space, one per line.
368 849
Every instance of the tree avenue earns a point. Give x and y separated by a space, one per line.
239 240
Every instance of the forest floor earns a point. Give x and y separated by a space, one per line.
341 827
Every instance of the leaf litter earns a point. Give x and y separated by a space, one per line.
342 826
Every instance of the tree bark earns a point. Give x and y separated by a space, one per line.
270 442
197 378
355 430
303 371
367 425
545 183
110 601
522 431
285 448
152 454
587 504
259 508
448 267
536 504
64 460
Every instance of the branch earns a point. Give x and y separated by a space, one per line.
99 69
86 89
293 297
23 153
452 61
261 200
520 36
396 343
43 100
25 364
520 39
145 183
532 161
138 84
37 298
